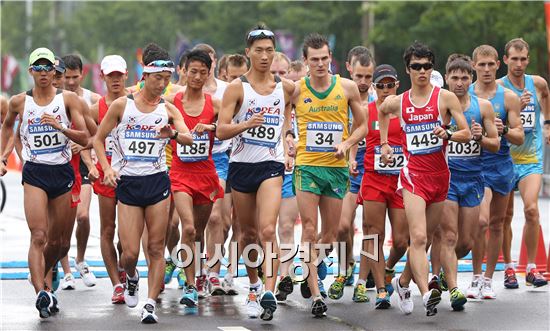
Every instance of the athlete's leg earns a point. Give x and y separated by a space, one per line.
201 214
215 228
467 224
172 231
246 212
107 216
375 217
131 223
507 231
184 206
448 229
400 236
347 217
496 222
287 218
60 229
436 251
83 222
65 265
529 187
156 217
145 244
308 205
478 253
36 213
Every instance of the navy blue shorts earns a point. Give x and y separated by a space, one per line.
55 180
466 190
355 182
500 176
287 191
143 191
247 177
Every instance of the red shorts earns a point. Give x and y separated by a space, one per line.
75 192
380 188
204 188
102 189
432 187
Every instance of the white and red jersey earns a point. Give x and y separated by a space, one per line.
424 152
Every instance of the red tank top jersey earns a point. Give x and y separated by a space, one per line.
373 136
101 111
424 152
197 157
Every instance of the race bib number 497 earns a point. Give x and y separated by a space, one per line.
141 146
420 138
323 136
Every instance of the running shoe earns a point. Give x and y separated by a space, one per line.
148 315
190 297
370 281
87 276
336 289
169 269
510 280
253 307
487 289
360 294
404 300
214 286
68 282
322 270
43 302
131 293
305 290
350 277
202 284
54 307
318 307
474 290
269 305
389 274
284 288
458 300
55 276
181 279
443 282
382 300
322 288
434 284
118 295
228 285
431 299
534 278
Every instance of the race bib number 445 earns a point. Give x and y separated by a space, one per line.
44 139
323 136
141 146
392 168
420 138
196 152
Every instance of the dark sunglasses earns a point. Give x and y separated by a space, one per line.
257 33
42 67
381 86
162 64
417 66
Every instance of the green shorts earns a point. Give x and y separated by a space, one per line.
328 181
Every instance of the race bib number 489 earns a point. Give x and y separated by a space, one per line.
44 139
323 136
196 152
420 138
527 116
141 146
264 135
392 168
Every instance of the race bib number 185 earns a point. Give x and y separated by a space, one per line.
196 152
323 136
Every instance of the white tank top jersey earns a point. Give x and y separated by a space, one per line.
136 151
87 96
42 143
220 146
262 143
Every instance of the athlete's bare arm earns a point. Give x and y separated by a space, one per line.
288 87
175 117
359 127
391 105
3 108
94 112
94 98
489 141
217 104
15 108
450 105
544 102
77 132
231 102
515 134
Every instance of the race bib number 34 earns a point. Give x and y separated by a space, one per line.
420 138
141 146
196 152
527 116
460 150
392 168
44 139
323 136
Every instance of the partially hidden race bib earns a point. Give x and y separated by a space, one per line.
109 145
463 150
527 116
142 146
420 138
44 139
196 152
392 168
265 134
323 136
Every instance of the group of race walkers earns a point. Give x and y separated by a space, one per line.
267 141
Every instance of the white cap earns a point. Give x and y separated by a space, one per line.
436 79
112 63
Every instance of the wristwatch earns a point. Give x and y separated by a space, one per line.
449 134
505 130
175 135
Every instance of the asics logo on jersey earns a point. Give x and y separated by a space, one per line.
165 193
158 120
70 184
308 100
422 117
276 102
56 109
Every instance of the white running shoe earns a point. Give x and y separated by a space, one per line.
148 315
253 308
228 285
487 289
87 276
68 282
404 300
131 292
474 290
431 299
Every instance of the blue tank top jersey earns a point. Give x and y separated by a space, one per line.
466 157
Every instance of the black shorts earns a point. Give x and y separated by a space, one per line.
143 191
55 180
84 173
247 177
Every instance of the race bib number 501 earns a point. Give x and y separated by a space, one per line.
420 138
323 136
44 139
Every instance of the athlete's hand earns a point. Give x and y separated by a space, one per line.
3 169
75 148
440 132
256 120
291 145
353 169
499 125
386 152
110 177
525 98
476 129
289 163
202 128
164 132
93 174
340 150
50 120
